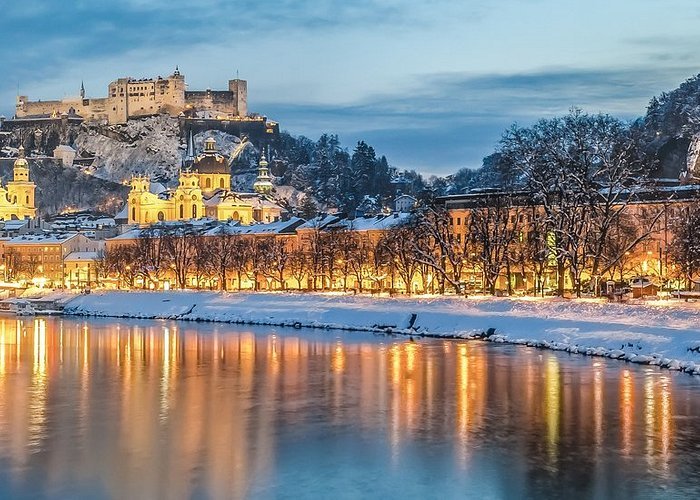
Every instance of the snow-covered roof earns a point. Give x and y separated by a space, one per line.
123 213
278 227
319 222
156 188
405 197
82 256
42 239
376 223
128 235
11 225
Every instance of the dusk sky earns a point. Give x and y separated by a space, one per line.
430 84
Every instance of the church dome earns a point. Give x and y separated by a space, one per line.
21 161
210 161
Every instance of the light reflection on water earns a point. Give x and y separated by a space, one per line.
129 409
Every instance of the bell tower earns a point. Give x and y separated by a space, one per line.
20 190
263 184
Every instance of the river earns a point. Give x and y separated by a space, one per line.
110 408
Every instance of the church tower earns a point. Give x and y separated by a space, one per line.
189 202
263 184
20 190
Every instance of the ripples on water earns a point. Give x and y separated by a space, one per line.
128 409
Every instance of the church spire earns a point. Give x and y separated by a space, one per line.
82 90
189 153
263 184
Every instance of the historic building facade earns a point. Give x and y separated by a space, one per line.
17 198
204 190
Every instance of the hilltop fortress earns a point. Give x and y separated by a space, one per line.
41 126
130 98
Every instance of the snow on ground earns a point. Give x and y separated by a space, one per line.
664 333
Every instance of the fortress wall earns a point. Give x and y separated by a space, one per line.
42 108
219 100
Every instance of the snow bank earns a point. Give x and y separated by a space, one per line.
644 333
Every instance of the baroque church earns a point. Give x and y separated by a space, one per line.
17 198
204 190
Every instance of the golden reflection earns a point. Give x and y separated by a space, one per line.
177 406
658 420
649 416
338 358
395 408
598 385
463 404
626 411
552 405
666 421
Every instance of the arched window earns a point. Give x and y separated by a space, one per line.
208 183
161 216
27 199
235 216
194 211
182 211
133 213
221 183
145 217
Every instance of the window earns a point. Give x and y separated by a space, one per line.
182 211
221 183
194 211
208 183
133 213
459 221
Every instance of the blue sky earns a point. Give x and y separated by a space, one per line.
432 84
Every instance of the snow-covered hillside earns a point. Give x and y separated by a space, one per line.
149 146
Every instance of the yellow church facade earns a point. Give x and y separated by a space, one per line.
203 191
17 198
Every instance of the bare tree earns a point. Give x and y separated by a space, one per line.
241 258
299 266
202 266
438 247
399 244
583 170
178 245
494 227
276 260
119 261
685 249
150 256
225 245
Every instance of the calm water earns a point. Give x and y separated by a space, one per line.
148 409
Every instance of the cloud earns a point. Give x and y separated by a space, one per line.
448 121
431 84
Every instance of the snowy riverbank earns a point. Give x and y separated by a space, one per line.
660 333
